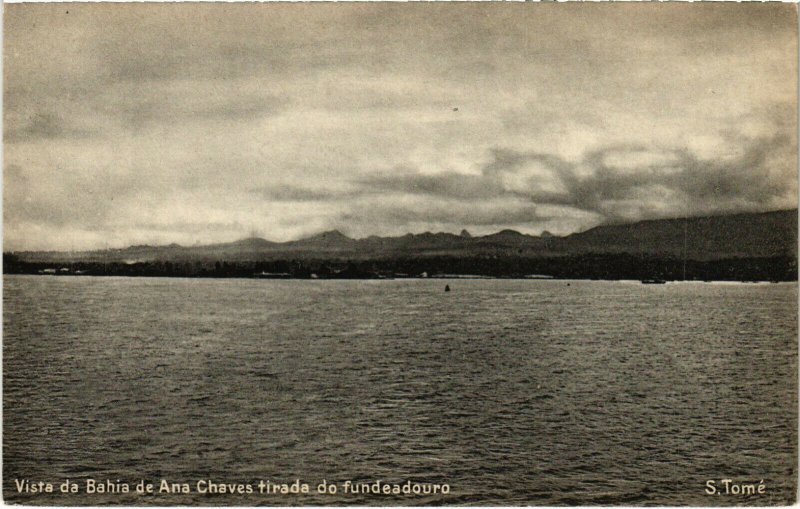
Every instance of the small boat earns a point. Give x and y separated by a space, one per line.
653 281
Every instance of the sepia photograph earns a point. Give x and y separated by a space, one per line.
400 254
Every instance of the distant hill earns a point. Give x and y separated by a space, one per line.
752 235
707 238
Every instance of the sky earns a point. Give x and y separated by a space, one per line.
199 123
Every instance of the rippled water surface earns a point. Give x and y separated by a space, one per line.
510 392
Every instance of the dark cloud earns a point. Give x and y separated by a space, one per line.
449 215
447 185
688 183
145 109
288 192
42 126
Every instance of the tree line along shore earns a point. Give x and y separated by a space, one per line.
599 266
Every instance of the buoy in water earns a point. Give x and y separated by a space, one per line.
447 288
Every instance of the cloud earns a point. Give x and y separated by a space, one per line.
447 185
287 192
623 182
138 108
141 122
42 126
687 184
450 214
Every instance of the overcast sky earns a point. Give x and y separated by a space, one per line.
159 123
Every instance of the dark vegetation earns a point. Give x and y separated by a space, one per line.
592 266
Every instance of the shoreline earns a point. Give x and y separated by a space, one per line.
450 277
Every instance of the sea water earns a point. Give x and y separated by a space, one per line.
505 391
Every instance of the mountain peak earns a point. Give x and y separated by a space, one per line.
331 235
253 242
328 237
508 233
465 234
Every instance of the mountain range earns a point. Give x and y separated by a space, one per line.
752 235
